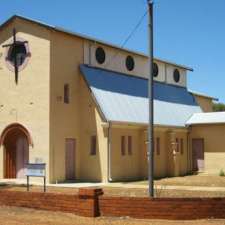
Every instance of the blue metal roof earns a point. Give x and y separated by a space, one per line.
123 98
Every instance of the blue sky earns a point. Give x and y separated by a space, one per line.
190 32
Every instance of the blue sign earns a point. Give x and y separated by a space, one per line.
36 170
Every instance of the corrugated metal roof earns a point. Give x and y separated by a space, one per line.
207 118
203 95
123 98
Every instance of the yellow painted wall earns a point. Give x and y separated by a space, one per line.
214 146
205 103
160 166
92 167
136 166
164 162
125 167
183 158
28 102
79 119
66 55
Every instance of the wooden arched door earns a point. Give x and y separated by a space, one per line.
16 151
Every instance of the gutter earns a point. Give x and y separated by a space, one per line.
109 157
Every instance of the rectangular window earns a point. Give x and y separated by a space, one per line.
130 145
123 145
177 145
158 146
66 93
181 146
93 145
70 158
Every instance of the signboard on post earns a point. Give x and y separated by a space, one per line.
36 170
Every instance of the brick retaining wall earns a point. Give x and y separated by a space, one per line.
163 208
83 204
90 202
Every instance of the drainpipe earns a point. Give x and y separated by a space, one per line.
188 166
189 155
109 152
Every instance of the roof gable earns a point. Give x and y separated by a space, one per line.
59 29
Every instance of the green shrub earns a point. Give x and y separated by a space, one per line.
218 107
222 174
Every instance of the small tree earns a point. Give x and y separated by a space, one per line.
222 174
218 107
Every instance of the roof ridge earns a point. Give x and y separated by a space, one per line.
91 39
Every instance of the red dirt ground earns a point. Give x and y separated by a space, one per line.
23 216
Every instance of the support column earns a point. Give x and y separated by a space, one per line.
174 155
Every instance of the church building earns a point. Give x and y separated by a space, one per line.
80 105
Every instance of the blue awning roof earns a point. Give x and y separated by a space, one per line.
123 98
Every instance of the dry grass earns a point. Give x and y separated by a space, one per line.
23 216
143 192
128 192
34 188
194 180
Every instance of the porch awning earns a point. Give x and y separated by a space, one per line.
207 118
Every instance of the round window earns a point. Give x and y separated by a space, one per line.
176 75
130 63
155 70
17 53
100 55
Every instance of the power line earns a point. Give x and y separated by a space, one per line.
128 37
134 30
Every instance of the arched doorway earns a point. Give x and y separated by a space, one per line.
15 140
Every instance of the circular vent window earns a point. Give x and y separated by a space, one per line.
176 75
155 70
17 52
130 63
100 55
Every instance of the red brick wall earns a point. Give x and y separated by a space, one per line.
45 201
91 203
83 204
163 208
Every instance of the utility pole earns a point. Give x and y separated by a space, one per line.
151 104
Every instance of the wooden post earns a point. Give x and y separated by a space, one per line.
27 183
89 201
